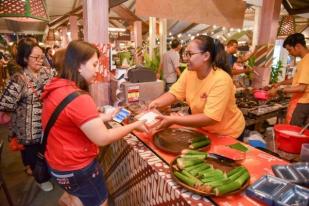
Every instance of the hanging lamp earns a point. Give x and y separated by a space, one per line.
24 10
286 26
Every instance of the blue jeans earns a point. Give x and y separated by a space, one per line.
87 184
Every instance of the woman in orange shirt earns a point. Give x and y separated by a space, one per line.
208 89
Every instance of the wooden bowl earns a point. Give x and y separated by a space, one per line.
174 140
226 167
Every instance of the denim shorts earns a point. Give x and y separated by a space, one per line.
87 184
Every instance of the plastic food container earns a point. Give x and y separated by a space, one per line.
288 139
273 191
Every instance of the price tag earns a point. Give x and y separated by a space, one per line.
133 94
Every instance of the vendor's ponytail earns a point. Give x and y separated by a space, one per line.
216 50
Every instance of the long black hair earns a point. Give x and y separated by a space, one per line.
216 51
78 52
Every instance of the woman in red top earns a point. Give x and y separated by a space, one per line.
72 145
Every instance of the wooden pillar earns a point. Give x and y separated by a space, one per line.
73 27
138 36
269 21
256 27
96 21
152 35
95 14
163 36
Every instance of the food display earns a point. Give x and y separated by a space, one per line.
245 99
198 172
297 173
174 140
275 191
230 151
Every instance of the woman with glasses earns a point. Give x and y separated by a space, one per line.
22 98
208 89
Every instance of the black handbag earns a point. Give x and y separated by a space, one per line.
41 172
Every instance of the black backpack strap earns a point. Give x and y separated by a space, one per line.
55 115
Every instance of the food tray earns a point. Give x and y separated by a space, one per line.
297 173
266 188
217 164
174 140
303 169
287 172
293 196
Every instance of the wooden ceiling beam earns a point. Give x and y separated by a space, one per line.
113 23
66 16
127 15
292 11
113 3
206 30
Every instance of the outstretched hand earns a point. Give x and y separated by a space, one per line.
164 122
153 105
141 126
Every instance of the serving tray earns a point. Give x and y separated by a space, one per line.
174 140
217 163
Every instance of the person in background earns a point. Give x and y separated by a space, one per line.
48 60
33 38
58 59
12 66
72 144
170 65
298 109
22 98
183 60
233 61
208 89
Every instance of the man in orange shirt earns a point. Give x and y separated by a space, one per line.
298 110
208 89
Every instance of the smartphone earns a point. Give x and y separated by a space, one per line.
121 115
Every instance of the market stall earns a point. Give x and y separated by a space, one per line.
138 173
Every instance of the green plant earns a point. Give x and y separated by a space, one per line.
153 62
125 55
251 63
276 70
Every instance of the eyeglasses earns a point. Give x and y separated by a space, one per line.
37 58
190 54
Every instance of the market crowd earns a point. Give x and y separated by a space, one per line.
40 80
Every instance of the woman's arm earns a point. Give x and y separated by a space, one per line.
96 131
195 120
162 101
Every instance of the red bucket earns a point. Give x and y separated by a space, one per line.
288 139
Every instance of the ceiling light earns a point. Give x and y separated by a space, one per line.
114 29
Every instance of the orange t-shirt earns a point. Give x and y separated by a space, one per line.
302 77
215 97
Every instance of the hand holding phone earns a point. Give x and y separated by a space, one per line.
121 115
